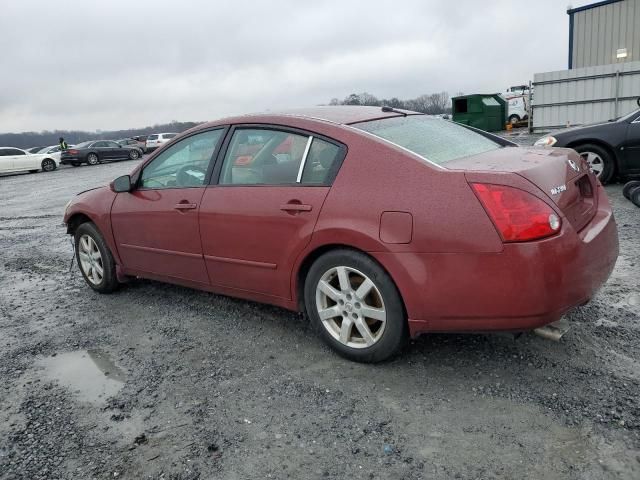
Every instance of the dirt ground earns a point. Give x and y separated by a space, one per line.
158 381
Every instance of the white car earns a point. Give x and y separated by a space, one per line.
52 152
157 139
17 160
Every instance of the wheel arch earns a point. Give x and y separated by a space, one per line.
48 158
76 220
304 265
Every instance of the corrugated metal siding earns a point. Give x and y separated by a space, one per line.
574 97
600 31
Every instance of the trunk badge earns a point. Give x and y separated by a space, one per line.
574 165
559 189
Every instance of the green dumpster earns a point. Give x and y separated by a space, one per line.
486 112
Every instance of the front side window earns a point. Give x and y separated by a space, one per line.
16 152
182 165
436 140
263 157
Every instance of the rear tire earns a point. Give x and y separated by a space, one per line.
134 155
362 312
48 165
514 119
94 259
92 159
599 160
634 196
629 187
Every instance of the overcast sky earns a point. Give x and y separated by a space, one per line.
83 64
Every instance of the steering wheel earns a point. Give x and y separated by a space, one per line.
185 176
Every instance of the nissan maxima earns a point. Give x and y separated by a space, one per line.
379 224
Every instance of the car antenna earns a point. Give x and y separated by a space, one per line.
386 108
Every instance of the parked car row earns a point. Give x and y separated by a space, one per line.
13 159
91 153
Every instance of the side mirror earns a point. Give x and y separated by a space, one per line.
121 184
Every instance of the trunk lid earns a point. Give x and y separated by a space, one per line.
560 173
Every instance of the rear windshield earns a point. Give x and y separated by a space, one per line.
439 141
152 137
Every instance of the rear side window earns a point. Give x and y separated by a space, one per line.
322 162
263 157
168 135
438 141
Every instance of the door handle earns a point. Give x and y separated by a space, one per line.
185 206
295 207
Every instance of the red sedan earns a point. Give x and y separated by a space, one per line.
379 224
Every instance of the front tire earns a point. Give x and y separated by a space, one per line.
355 306
48 165
514 119
92 159
95 259
599 160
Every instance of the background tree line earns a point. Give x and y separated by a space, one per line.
73 137
433 103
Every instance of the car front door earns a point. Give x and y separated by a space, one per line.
632 147
261 213
117 151
155 226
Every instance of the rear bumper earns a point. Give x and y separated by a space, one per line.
525 286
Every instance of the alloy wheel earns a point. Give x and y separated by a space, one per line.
134 155
351 307
92 159
595 162
90 259
48 166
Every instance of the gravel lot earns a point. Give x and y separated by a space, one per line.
158 381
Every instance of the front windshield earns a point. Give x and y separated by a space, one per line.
437 140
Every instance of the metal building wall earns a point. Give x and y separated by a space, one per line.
584 95
599 31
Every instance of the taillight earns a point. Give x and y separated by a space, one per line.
72 152
518 215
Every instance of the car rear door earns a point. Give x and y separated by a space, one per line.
155 226
6 160
631 157
22 161
261 213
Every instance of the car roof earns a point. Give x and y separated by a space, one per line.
342 115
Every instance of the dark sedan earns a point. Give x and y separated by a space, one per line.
611 148
97 151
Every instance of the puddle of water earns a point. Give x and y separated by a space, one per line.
91 374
